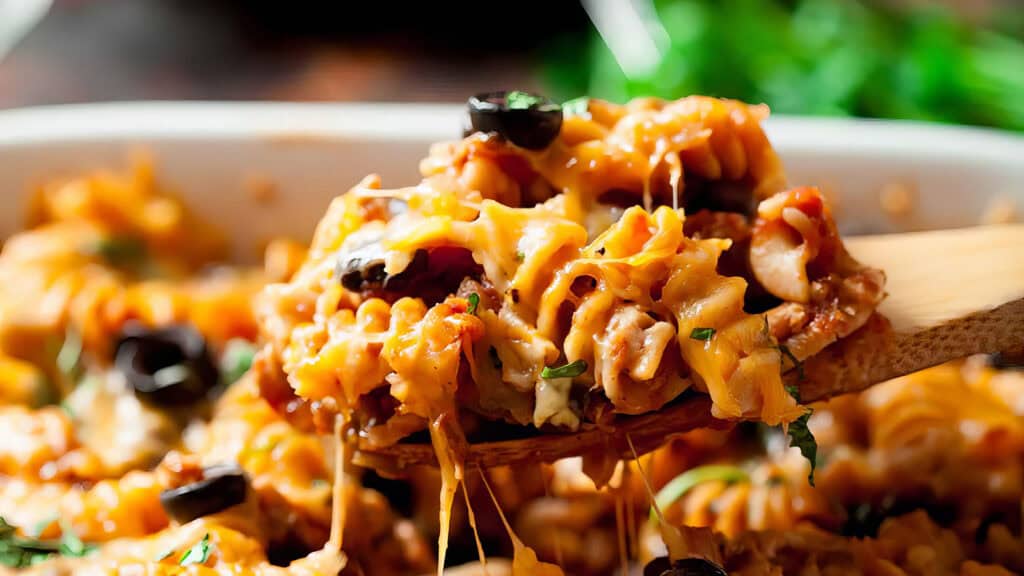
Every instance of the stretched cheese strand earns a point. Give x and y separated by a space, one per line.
682 541
338 506
524 559
476 533
450 465
330 559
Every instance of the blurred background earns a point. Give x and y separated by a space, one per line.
956 61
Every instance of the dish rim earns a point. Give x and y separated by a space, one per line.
244 120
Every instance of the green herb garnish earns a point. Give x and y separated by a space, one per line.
520 255
794 392
120 251
577 106
800 436
570 370
70 354
786 354
705 334
519 100
19 551
474 301
237 359
71 544
198 553
683 483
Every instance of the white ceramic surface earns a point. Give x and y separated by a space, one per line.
213 152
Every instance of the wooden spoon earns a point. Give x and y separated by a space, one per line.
951 293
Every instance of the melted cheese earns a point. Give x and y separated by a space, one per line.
476 533
524 559
451 467
338 501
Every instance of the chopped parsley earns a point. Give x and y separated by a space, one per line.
577 106
520 255
800 436
519 100
495 359
570 370
122 251
19 551
683 483
799 433
786 353
237 359
794 392
474 301
198 553
70 354
705 334
71 544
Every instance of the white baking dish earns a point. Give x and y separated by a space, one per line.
215 153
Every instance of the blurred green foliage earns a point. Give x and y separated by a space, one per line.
820 57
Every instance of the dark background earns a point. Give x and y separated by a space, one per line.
956 61
95 50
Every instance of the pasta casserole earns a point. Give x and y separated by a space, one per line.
562 269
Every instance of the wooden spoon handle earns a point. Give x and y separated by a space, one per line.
647 432
876 353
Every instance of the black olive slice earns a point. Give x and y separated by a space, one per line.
222 487
661 566
696 567
360 261
166 366
363 269
430 275
527 120
657 566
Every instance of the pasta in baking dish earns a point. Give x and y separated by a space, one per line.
90 447
162 412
